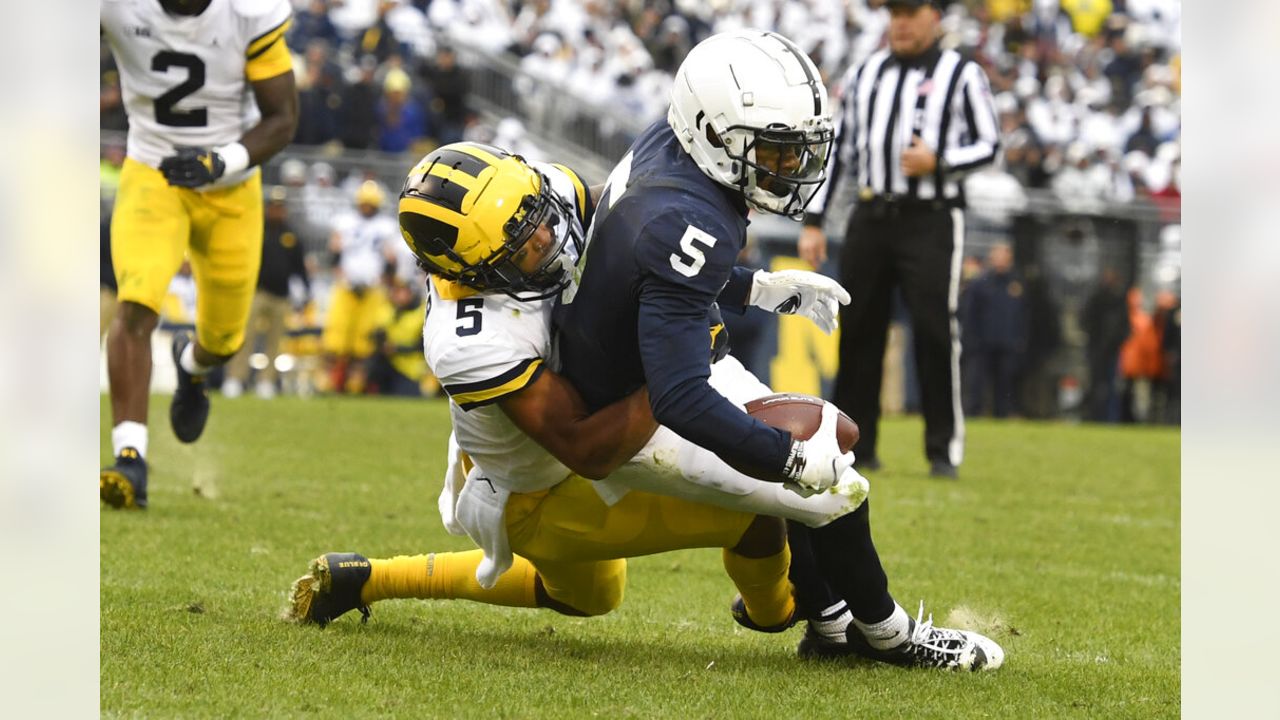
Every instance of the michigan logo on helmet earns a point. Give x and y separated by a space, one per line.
467 209
750 109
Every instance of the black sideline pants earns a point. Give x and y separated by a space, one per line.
918 247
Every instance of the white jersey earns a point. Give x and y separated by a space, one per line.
365 242
483 347
186 79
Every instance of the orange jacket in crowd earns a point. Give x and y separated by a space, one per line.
1140 355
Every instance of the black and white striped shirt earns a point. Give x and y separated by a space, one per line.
941 96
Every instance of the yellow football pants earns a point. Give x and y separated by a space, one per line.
579 544
352 320
155 224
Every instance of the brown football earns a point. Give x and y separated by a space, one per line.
801 414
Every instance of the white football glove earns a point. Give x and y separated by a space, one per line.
800 292
817 463
853 486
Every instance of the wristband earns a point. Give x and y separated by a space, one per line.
794 466
235 158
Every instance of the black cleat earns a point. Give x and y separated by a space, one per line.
189 409
329 590
740 616
934 647
943 469
816 646
124 484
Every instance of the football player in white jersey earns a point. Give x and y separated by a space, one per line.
209 90
499 237
362 243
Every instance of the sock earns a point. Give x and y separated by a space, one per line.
129 434
849 563
814 595
888 633
188 361
448 576
833 622
763 584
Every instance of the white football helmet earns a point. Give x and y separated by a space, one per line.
750 109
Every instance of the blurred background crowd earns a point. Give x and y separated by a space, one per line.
1071 305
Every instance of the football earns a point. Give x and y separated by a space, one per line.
801 414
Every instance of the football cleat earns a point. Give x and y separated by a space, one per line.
189 409
817 646
124 484
330 589
934 647
740 616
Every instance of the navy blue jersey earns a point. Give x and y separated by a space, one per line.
660 253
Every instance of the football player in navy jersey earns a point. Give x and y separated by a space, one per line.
748 128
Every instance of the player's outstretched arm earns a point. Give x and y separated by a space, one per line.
278 101
551 411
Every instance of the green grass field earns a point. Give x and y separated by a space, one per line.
1062 542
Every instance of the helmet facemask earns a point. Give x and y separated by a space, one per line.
780 168
552 274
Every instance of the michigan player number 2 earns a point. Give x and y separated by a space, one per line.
165 112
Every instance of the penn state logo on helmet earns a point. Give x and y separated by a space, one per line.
467 209
750 109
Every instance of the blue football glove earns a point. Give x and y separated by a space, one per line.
192 167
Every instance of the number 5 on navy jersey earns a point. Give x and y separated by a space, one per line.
689 261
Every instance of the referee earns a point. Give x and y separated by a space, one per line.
913 119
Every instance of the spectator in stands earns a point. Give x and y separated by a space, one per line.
1165 179
319 97
283 268
994 195
401 121
996 323
1143 139
358 118
312 23
449 85
379 39
1087 16
1080 189
1125 67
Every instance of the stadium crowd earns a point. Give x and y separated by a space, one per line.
1088 93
